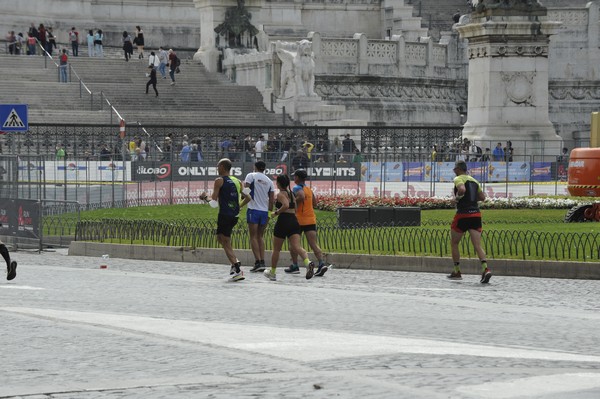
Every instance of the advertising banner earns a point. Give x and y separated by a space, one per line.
180 171
189 192
20 218
541 171
72 171
375 172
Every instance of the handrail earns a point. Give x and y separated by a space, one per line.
151 137
82 84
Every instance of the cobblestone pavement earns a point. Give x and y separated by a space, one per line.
150 330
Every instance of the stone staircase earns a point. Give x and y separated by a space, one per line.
437 14
198 98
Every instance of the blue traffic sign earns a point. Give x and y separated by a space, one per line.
13 118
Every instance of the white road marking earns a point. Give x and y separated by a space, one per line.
538 385
294 344
21 287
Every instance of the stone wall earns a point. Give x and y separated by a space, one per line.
366 68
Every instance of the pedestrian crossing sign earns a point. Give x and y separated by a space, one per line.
13 118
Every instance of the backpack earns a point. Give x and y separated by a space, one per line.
177 63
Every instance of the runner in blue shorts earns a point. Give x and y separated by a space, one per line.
260 202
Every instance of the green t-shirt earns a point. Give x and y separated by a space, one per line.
468 203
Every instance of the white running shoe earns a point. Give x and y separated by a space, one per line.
269 275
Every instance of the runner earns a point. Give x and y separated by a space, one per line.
260 202
305 212
11 266
467 192
286 227
226 196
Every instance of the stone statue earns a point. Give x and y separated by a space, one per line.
520 5
297 70
237 22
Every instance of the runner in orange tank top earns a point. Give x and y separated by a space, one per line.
305 213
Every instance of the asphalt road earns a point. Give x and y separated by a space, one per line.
177 330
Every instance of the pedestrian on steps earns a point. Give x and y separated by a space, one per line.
153 60
74 39
172 65
90 42
152 81
98 46
139 41
64 64
163 61
127 45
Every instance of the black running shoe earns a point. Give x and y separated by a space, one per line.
258 267
321 270
12 270
486 276
292 269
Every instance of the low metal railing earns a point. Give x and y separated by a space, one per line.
410 241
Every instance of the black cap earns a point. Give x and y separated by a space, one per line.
462 165
301 173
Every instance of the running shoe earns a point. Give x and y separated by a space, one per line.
455 276
310 270
292 269
258 267
269 275
321 270
486 276
11 270
237 276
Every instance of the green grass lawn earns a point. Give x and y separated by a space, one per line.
541 220
508 233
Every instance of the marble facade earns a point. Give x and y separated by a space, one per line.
371 56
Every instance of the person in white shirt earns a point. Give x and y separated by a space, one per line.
153 60
258 148
260 201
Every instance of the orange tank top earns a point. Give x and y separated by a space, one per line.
305 212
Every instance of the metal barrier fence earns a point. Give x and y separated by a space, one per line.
415 241
328 144
78 141
95 182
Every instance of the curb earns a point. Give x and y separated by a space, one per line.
500 267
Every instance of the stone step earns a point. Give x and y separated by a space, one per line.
198 97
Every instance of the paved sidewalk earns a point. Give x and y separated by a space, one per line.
178 330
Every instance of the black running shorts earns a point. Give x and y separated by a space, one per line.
466 221
225 224
286 226
308 227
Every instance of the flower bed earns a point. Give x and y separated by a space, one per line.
331 203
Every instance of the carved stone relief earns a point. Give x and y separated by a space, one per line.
519 86
381 50
339 48
509 51
400 92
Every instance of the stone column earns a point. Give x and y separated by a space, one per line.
508 75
